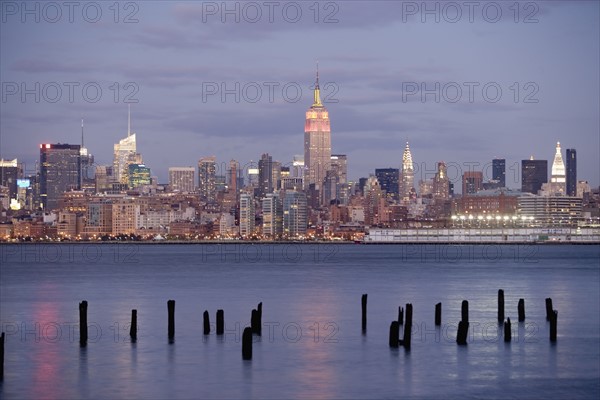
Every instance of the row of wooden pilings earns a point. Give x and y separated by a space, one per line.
255 328
463 325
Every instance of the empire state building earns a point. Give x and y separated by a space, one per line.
317 141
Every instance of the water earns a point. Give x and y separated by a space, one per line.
312 345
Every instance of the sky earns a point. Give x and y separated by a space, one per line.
462 82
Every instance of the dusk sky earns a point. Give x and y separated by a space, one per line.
372 56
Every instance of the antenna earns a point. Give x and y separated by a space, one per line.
82 133
128 120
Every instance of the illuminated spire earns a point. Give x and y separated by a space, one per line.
558 166
317 93
407 163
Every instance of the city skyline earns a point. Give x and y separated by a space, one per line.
376 111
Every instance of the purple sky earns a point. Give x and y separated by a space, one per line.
371 55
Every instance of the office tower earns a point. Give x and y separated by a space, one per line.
440 182
339 167
138 175
60 171
246 214
125 153
265 175
499 171
295 219
207 178
272 211
558 177
182 179
571 172
317 141
534 173
10 171
88 168
298 168
235 180
276 174
389 181
407 176
472 182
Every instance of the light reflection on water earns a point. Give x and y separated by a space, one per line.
316 348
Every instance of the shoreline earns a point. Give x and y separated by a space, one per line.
316 242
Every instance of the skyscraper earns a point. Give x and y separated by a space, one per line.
265 175
125 153
10 171
389 181
534 173
295 219
557 185
60 171
441 182
472 182
499 171
138 175
181 179
571 172
207 178
272 210
246 214
407 182
317 141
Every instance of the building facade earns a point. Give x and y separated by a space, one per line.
60 171
182 179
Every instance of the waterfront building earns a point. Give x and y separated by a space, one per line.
60 171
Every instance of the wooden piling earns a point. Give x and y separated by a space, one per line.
553 321
83 328
221 323
247 344
364 312
1 356
438 314
463 325
394 334
259 309
133 327
507 331
521 308
171 310
549 308
408 326
254 321
400 315
206 321
464 311
463 330
500 305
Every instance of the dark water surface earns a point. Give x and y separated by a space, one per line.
312 345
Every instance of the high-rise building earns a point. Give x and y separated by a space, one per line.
182 179
138 175
276 174
265 175
558 178
235 180
295 214
499 171
407 177
571 172
207 178
298 169
10 171
272 211
125 153
389 181
472 182
339 167
441 188
60 171
317 141
88 168
246 214
534 173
